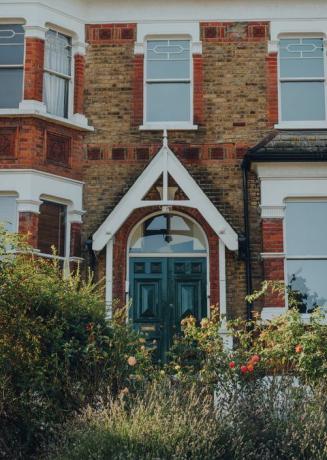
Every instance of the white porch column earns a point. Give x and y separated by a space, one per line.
109 277
227 339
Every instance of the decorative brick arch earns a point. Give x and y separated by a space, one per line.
121 242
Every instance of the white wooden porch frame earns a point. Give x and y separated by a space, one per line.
165 163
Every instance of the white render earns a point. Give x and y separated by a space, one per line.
282 181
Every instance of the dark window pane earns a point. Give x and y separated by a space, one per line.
11 88
52 228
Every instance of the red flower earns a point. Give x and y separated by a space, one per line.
89 327
250 367
244 369
255 359
298 348
232 364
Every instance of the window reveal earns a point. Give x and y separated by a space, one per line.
168 81
302 79
57 75
11 65
52 228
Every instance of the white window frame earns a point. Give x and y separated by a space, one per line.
161 125
301 124
68 78
15 66
305 316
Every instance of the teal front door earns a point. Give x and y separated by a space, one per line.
163 291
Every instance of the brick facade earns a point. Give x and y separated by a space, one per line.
230 107
235 106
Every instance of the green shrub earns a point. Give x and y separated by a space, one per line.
57 350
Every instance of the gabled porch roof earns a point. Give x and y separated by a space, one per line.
165 163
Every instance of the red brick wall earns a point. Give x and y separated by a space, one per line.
33 69
272 235
120 252
28 225
137 116
272 89
75 239
234 32
30 146
274 271
273 242
99 34
79 83
198 89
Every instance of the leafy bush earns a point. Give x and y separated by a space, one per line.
272 420
284 345
57 350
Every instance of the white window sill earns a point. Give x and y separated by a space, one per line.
178 125
75 123
269 313
301 125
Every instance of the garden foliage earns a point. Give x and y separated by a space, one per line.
57 350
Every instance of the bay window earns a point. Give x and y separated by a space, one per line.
302 79
57 73
168 81
306 252
11 65
52 228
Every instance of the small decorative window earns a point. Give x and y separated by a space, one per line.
302 79
11 65
168 233
8 213
57 73
52 228
306 252
168 81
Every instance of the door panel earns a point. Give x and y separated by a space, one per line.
163 291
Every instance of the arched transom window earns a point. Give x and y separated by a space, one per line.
167 233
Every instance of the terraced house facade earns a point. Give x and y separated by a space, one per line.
179 149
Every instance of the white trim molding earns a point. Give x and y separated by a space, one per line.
31 108
282 181
273 255
31 185
168 29
269 313
272 212
165 163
